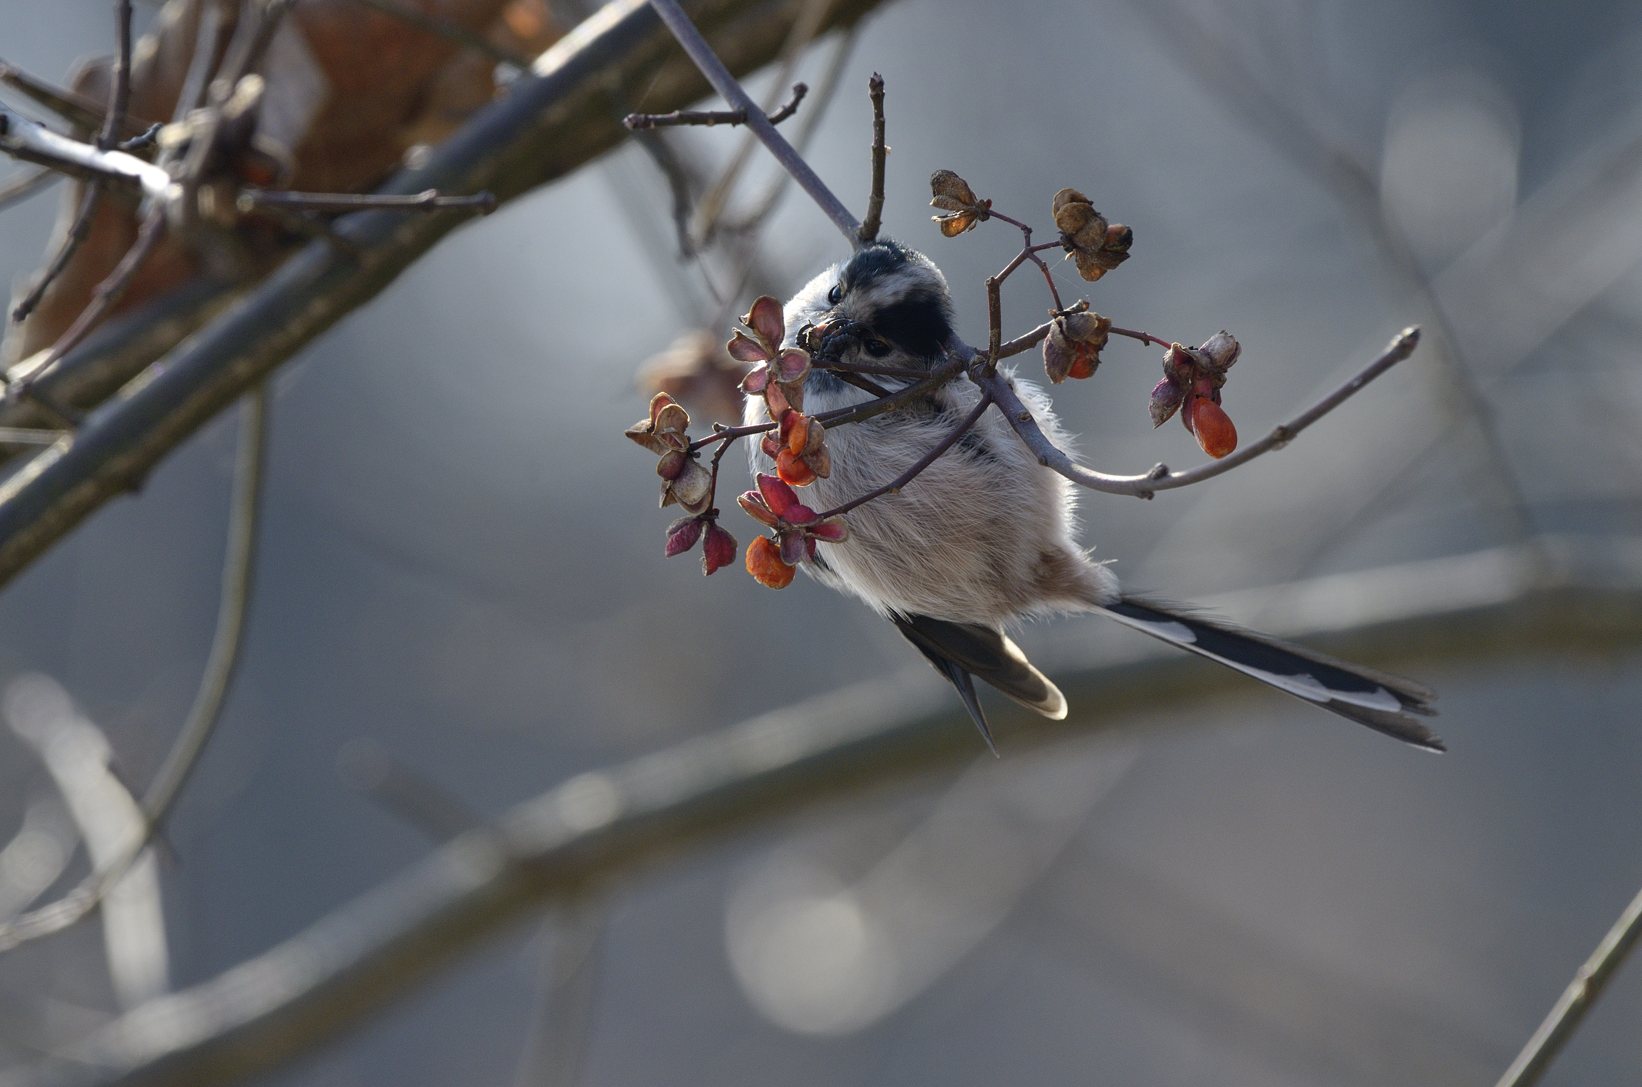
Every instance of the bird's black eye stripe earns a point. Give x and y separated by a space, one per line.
835 294
918 323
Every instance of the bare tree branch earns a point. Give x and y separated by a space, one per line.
1161 478
604 826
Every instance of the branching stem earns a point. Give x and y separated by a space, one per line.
730 89
1160 478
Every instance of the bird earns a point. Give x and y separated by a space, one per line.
984 538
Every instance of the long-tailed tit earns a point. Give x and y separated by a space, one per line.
982 538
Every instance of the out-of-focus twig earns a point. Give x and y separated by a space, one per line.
707 118
445 28
730 89
25 184
78 756
1281 117
83 114
1160 478
557 1048
547 124
32 141
111 866
1578 999
880 151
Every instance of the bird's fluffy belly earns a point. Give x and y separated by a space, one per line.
963 540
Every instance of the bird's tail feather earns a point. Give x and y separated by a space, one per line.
963 652
1383 702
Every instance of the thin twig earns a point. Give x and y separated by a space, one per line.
808 23
107 139
922 462
79 228
1026 341
880 151
82 113
730 89
119 95
838 366
1160 478
104 297
31 141
418 801
1577 999
707 118
431 200
143 140
1031 251
25 184
221 663
557 1049
452 31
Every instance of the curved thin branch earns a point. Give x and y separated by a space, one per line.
220 665
1161 478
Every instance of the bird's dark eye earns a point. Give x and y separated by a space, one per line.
876 348
835 294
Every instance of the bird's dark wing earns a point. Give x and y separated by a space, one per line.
963 652
1383 702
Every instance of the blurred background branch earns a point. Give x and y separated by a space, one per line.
605 826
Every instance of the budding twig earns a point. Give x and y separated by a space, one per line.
875 197
1160 478
707 118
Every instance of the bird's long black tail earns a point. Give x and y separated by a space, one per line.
1383 702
